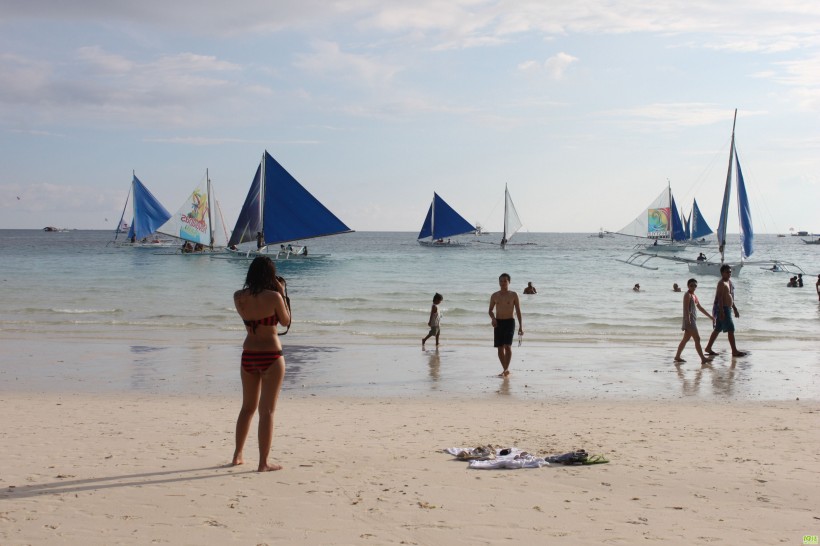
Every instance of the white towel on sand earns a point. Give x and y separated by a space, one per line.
510 457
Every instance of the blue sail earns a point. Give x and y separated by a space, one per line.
289 211
149 214
744 212
699 226
687 222
249 222
678 233
442 221
427 226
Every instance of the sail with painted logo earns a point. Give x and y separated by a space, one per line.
198 220
659 223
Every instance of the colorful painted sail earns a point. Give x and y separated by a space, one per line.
512 223
443 221
149 214
282 209
196 220
660 220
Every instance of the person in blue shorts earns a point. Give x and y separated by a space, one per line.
722 311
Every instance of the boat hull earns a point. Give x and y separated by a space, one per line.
449 244
712 268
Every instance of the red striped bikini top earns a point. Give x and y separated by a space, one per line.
267 321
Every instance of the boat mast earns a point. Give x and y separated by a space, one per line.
724 211
210 201
262 186
433 219
124 207
504 234
671 211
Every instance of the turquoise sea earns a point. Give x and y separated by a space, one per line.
79 315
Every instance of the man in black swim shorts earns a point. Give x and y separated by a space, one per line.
502 306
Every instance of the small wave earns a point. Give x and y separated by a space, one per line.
80 311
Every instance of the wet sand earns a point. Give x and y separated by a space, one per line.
554 371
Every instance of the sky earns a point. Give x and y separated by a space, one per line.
586 110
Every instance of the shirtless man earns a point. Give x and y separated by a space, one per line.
502 305
722 311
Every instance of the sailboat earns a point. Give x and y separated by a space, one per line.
197 222
512 223
659 224
745 215
706 267
695 226
441 223
148 216
279 210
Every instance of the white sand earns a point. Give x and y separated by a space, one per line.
130 469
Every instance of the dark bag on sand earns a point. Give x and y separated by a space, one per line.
573 457
284 285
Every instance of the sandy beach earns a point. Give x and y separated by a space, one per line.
150 469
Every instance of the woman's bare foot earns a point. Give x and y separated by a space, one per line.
679 359
739 353
237 459
711 352
268 467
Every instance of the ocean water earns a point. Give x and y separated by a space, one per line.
95 316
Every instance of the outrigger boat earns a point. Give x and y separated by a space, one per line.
441 223
709 267
278 210
659 225
148 216
199 224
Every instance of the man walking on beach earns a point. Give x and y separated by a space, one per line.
502 305
722 311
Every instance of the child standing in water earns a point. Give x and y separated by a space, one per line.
435 319
691 305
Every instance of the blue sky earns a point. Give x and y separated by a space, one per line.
585 109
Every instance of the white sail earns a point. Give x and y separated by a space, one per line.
653 221
192 221
512 223
220 231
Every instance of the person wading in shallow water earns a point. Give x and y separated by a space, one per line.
722 311
691 306
262 307
502 305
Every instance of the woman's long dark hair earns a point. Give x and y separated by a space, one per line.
261 275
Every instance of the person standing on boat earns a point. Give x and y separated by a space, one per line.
261 305
722 311
260 240
691 306
502 306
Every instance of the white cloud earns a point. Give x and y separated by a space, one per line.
558 64
555 67
328 60
183 89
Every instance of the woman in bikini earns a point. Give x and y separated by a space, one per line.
262 307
